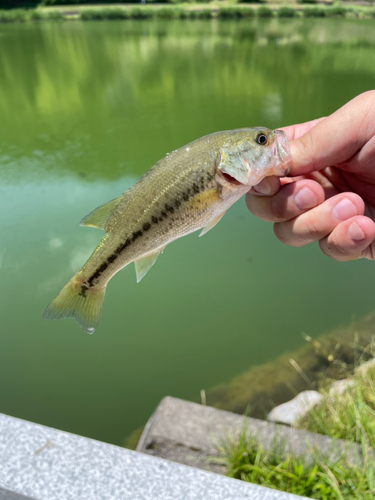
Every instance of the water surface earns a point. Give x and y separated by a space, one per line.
86 109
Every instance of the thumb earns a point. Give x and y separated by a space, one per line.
334 139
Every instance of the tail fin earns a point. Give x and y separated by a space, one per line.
76 302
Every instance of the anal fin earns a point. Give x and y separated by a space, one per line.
211 224
99 217
144 264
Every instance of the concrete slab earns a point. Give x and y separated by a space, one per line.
40 463
189 433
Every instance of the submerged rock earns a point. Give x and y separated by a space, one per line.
340 386
289 413
362 369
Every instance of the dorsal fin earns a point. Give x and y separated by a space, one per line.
99 217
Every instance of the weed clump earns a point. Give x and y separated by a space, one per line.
141 13
199 14
229 12
37 15
14 16
109 14
314 12
315 476
347 414
247 12
167 13
236 12
54 15
264 11
286 11
336 11
204 14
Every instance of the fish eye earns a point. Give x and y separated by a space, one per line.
262 139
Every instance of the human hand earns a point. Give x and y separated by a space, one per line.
330 194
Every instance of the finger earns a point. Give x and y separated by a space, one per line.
320 221
336 138
350 240
335 180
292 200
267 187
296 131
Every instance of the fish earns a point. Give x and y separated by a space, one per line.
189 189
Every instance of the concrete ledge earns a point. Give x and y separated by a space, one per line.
189 433
10 495
40 463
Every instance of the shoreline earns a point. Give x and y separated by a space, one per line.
223 11
314 366
329 357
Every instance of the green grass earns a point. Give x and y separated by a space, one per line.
314 11
336 11
350 415
141 13
193 11
264 11
14 16
180 13
167 13
115 13
247 12
313 476
286 11
52 15
235 12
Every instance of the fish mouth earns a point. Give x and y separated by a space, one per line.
230 179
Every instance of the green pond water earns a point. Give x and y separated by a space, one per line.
85 110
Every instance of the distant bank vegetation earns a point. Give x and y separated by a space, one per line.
200 11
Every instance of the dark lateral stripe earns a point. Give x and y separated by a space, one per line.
168 209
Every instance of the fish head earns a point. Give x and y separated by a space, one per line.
250 155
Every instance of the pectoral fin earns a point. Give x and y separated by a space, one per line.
143 265
211 224
99 217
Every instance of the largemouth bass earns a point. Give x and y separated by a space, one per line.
189 189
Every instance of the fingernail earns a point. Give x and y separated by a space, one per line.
355 232
305 198
344 210
264 187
